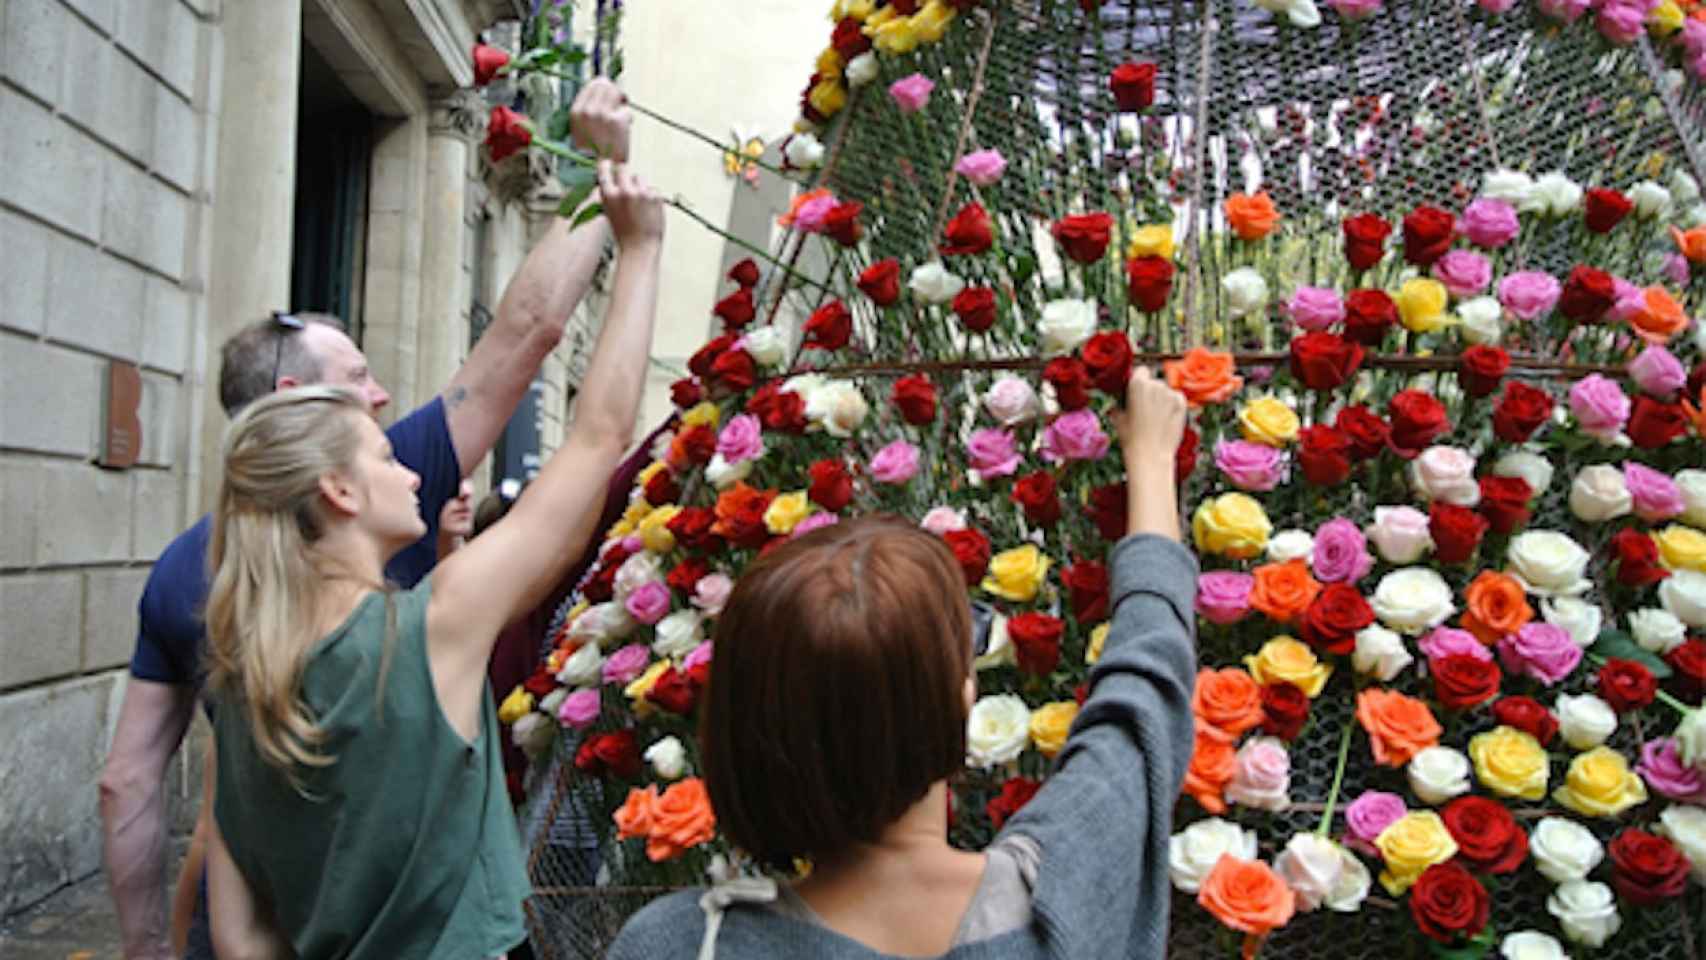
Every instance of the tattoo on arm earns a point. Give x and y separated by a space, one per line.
454 396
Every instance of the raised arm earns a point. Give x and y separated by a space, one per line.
538 301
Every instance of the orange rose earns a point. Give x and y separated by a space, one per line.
1203 376
1252 218
1691 243
1697 414
1247 895
1399 727
1228 700
1211 769
1659 318
680 819
634 817
1497 606
1283 590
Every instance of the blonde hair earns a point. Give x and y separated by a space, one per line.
261 614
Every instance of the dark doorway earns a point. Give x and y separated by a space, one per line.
333 147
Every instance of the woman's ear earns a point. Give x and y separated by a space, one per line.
970 689
339 491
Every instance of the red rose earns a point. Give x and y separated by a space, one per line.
1428 233
1626 684
616 753
1185 455
702 359
1036 494
971 549
1488 838
1655 423
735 310
1324 454
1462 681
1324 361
601 586
539 683
487 62
1456 531
905 8
744 273
1521 411
698 443
1015 793
831 486
1036 641
849 38
1447 902
1688 663
1504 502
1086 583
1368 315
915 397
1646 869
1107 358
1133 86
1107 508
662 489
1480 368
674 692
1367 433
1149 282
971 231
684 576
829 327
740 515
1285 708
1528 715
975 306
1697 381
881 282
1604 208
1417 421
692 528
686 392
841 224
1365 240
506 133
734 371
1588 293
1637 558
1333 618
1084 236
781 410
1071 382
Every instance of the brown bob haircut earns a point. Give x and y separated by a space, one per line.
837 691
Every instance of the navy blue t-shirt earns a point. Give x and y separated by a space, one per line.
169 643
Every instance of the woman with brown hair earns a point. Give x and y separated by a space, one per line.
836 713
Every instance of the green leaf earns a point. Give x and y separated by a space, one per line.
1616 643
579 182
557 128
591 212
1474 949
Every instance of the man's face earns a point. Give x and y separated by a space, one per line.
342 364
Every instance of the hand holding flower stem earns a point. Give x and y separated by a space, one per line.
1150 426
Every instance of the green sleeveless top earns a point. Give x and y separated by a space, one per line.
406 846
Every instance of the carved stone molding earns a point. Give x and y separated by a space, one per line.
462 113
521 176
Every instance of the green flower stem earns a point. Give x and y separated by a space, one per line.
681 205
1338 780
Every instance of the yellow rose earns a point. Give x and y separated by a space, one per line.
703 414
1233 525
1666 19
829 63
856 9
643 684
1098 639
518 704
1291 661
1510 762
828 97
932 22
1411 844
1153 240
1050 724
645 476
654 529
1017 574
1268 420
1600 784
894 38
1421 305
785 511
1682 547
877 18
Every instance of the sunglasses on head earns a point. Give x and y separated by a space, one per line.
283 324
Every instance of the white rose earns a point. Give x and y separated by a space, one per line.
1400 534
1246 291
1437 774
997 730
584 668
533 733
932 283
1685 825
1065 325
766 346
1683 188
1010 400
723 474
1352 889
1193 851
602 623
1560 195
1413 600
1548 563
1564 850
1481 318
804 151
839 407
1693 217
1587 911
806 385
1692 483
1302 13
677 634
1311 865
1291 544
551 701
1579 618
1446 474
1000 652
1381 652
1511 186
1585 721
1657 630
1651 199
1533 469
668 758
1531 945
1690 734
637 571
1599 494
862 69
1683 593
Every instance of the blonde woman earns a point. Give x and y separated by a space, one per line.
360 807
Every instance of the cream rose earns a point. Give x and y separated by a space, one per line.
1587 911
1446 474
677 634
839 407
1193 851
1511 186
637 571
1413 600
862 69
997 730
1010 400
602 623
1685 825
932 283
1559 195
1437 774
804 151
1312 866
1531 945
1065 325
1245 290
766 346
1585 721
1692 483
1481 318
1690 734
1579 618
1564 850
552 701
1400 534
1657 630
1599 494
1291 544
1683 593
1531 468
1684 189
583 668
1261 775
533 733
1549 563
1380 652
668 758
723 474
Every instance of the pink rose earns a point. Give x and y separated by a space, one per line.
816 521
579 709
632 544
1627 300
1444 642
711 592
648 603
991 453
1367 815
1675 266
813 214
702 653
911 93
1465 273
1658 372
1540 650
1656 496
1662 767
1496 6
1694 37
1600 406
1261 775
1010 400
1401 534
895 463
982 167
1223 596
940 520
1621 21
1250 466
1529 293
1490 223
1568 11
1355 9
742 438
1341 552
627 663
1315 308
1075 436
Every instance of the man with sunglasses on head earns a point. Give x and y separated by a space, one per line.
442 441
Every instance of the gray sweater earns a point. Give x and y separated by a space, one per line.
1116 780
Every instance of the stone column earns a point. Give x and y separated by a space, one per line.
392 287
454 125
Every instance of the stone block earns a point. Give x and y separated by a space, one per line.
41 155
50 398
177 141
168 310
141 30
39 637
207 9
86 87
85 515
34 33
144 219
20 486
181 41
109 616
159 415
159 514
97 300
127 112
98 12
23 273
